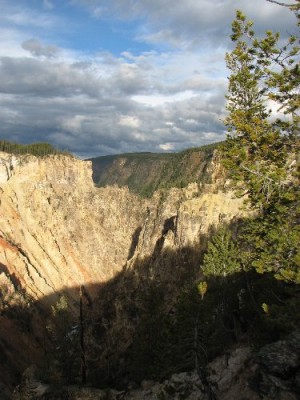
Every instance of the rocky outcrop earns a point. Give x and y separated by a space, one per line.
183 215
225 374
278 375
57 232
272 373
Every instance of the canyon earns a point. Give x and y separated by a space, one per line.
60 233
58 230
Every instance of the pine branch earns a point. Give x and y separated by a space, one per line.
291 6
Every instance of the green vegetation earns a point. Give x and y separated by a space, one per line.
36 149
61 363
222 256
262 150
144 173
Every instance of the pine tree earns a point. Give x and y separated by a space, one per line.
261 152
221 258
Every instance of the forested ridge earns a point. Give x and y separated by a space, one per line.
144 173
39 149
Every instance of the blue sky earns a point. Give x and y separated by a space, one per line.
103 77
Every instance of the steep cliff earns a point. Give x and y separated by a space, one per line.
58 231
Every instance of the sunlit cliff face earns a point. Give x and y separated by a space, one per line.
58 230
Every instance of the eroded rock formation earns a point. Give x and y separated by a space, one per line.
58 231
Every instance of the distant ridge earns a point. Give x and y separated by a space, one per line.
146 172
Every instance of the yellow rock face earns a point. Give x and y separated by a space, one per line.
58 230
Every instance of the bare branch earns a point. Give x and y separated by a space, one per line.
257 173
292 6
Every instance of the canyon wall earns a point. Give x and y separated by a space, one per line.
58 230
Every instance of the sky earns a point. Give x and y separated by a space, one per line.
98 77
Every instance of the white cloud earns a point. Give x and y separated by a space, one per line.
188 24
73 124
166 146
129 121
158 100
20 16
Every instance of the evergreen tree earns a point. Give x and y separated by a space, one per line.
221 258
62 359
261 152
37 149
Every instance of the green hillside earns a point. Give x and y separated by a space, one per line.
144 173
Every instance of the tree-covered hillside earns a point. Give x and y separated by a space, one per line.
144 173
39 149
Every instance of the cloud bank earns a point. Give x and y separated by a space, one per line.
167 96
